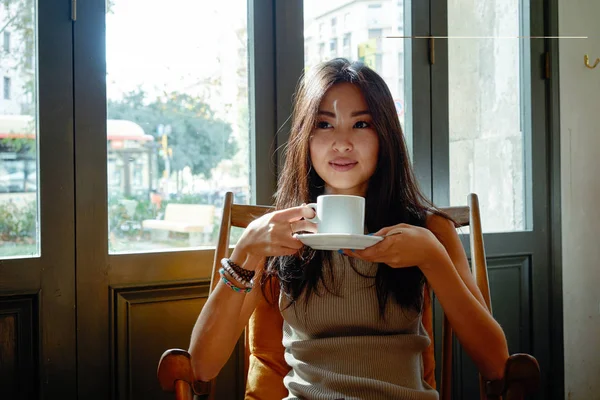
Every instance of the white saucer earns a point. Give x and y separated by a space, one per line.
336 241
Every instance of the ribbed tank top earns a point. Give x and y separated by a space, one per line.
339 346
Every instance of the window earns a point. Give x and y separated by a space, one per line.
6 88
377 35
486 110
333 26
6 41
19 196
375 16
333 48
347 22
400 13
346 45
178 124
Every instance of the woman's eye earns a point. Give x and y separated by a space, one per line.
323 125
362 124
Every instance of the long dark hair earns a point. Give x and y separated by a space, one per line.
392 196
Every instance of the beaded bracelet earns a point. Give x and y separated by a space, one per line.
239 279
246 274
231 285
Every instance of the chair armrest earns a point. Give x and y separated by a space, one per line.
175 365
521 377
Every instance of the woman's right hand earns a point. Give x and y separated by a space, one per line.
226 313
272 234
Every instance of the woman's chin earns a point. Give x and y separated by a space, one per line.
355 189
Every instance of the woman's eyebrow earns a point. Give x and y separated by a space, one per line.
326 113
354 113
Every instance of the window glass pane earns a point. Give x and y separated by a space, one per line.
487 123
365 31
178 130
19 216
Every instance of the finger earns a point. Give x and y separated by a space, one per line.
391 230
382 231
303 225
289 242
371 253
296 213
395 231
356 254
386 230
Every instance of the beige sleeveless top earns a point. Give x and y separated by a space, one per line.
339 347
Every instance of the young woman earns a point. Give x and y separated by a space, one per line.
352 320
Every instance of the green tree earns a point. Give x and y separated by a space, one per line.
198 138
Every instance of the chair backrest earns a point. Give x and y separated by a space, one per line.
238 215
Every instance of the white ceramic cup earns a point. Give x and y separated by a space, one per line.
342 214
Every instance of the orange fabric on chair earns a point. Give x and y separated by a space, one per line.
267 366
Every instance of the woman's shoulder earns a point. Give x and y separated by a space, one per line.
439 223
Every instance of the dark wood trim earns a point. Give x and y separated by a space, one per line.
57 273
26 271
263 123
440 118
151 267
289 66
417 81
540 202
51 275
557 376
91 201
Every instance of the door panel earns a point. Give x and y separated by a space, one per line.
134 314
19 324
509 285
37 274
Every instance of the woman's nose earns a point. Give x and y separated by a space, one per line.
342 142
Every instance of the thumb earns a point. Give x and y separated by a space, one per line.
382 231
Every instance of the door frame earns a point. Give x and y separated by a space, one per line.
41 288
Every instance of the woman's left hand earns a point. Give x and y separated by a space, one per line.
403 246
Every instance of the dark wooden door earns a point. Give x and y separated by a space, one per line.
37 242
490 135
160 87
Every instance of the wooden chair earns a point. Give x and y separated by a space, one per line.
522 374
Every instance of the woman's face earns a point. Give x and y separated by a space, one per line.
344 146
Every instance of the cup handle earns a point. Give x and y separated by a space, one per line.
316 218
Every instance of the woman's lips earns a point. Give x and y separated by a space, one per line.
342 165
